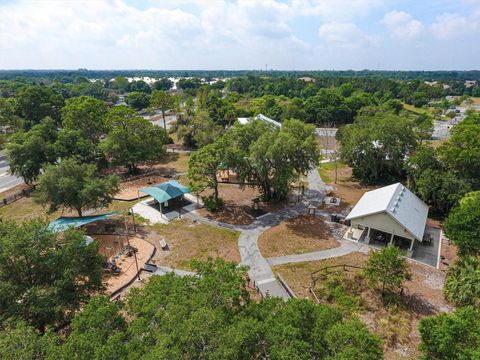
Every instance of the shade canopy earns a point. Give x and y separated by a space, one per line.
166 191
65 222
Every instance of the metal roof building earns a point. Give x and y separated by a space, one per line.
392 213
166 191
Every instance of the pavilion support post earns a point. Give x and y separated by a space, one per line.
391 240
367 238
410 250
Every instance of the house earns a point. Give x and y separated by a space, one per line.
389 215
244 121
307 79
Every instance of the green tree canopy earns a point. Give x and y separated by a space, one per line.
376 145
204 166
86 114
210 316
454 336
132 139
28 152
386 268
271 158
35 102
461 152
75 186
138 100
462 284
45 278
461 226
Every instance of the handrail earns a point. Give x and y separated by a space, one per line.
344 266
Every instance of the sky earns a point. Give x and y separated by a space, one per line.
240 34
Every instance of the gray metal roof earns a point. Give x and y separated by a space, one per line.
268 120
398 202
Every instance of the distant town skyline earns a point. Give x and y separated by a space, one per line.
240 34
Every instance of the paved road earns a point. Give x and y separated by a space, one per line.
7 181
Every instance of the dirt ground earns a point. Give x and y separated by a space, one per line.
347 188
124 262
189 240
129 188
396 322
297 236
238 205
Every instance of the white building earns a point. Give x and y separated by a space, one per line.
388 215
244 121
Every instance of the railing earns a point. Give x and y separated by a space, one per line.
325 270
17 196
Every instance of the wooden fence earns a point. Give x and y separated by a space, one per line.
12 198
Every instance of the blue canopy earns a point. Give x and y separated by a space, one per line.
64 222
166 191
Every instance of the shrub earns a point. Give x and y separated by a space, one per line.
212 204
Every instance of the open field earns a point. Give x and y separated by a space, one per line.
394 318
297 236
192 241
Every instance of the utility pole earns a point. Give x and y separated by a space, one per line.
130 248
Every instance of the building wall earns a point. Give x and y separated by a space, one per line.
382 222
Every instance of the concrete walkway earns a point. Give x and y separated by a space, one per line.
345 248
259 267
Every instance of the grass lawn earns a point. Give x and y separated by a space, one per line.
326 170
297 236
416 110
192 241
26 208
394 318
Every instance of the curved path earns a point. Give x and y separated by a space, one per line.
260 268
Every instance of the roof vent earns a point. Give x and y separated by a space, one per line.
393 209
395 204
398 198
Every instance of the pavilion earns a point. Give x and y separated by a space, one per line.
389 215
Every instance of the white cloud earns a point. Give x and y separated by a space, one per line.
344 34
339 10
402 25
447 25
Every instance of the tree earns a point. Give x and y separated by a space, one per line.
35 102
45 278
75 186
461 225
210 316
376 145
387 268
199 130
132 139
138 100
72 143
99 331
86 114
163 84
20 341
140 86
271 158
461 152
462 284
454 336
204 166
28 152
164 101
